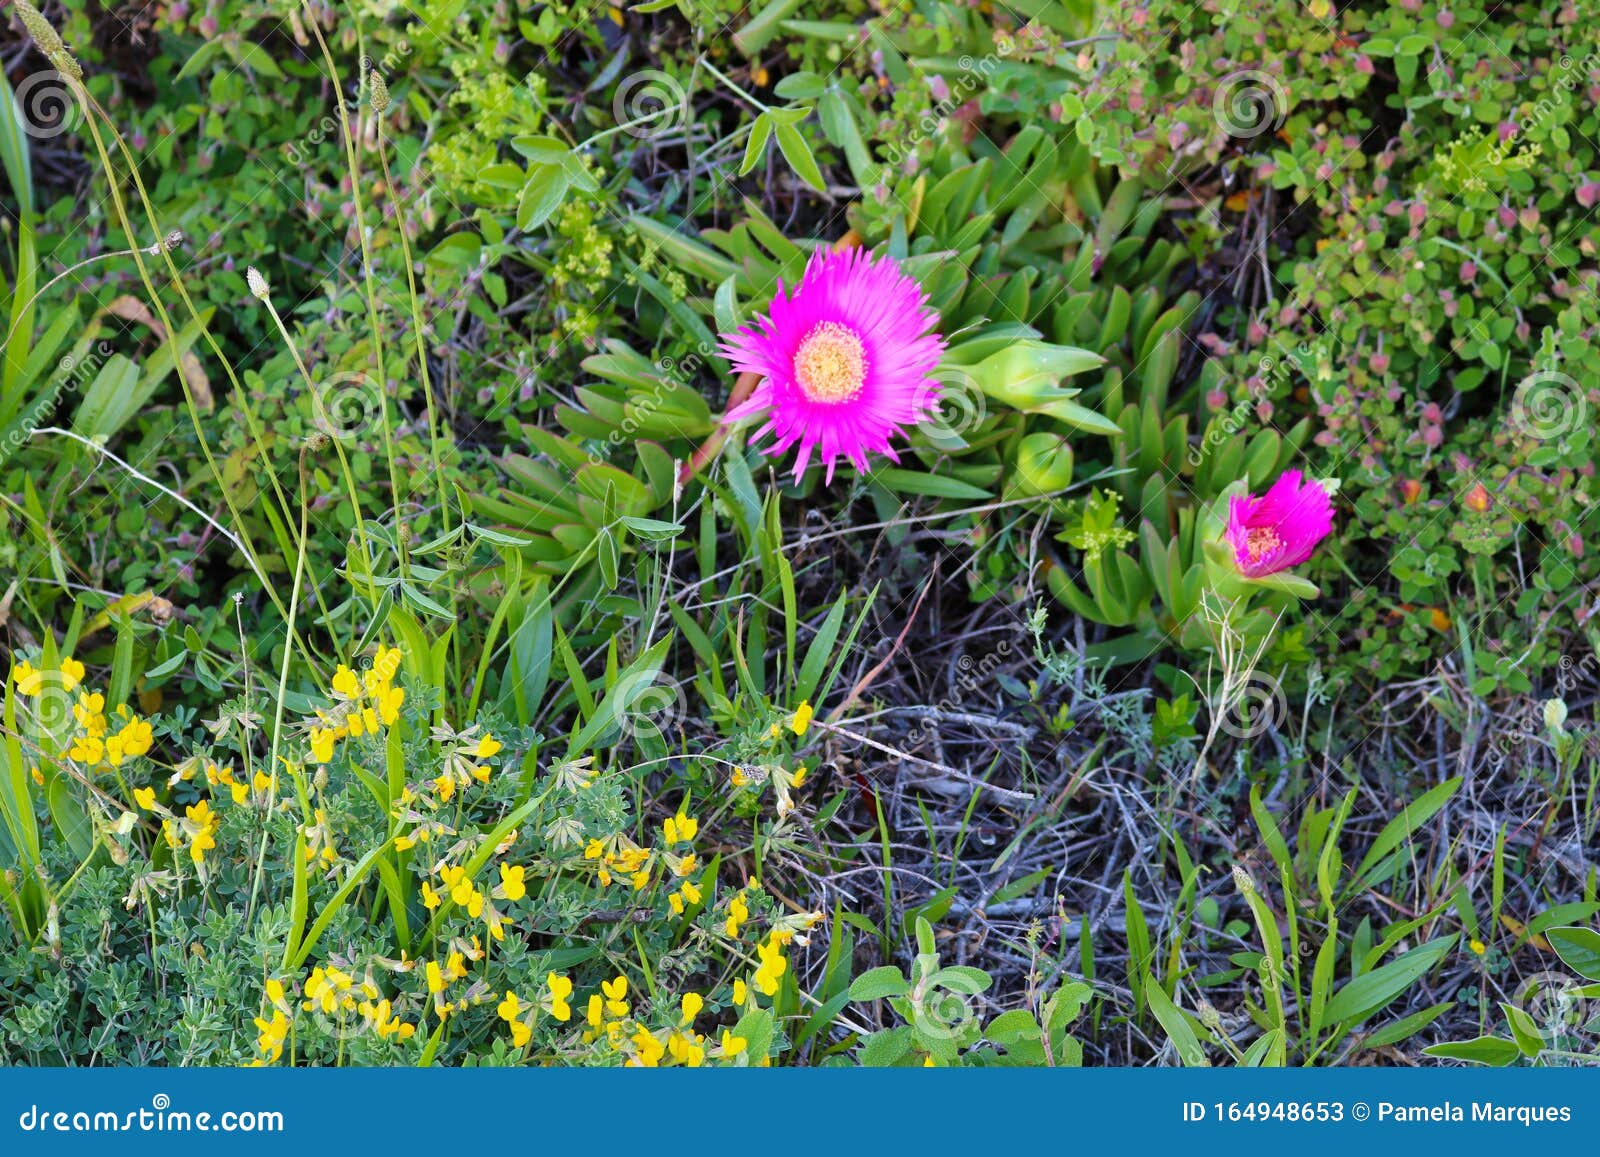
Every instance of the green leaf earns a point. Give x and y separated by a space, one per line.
1484 1050
932 485
541 196
1179 1030
882 1049
756 147
877 983
798 154
1372 991
1523 1030
1579 949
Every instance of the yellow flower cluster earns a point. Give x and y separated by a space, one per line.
463 765
556 1000
618 856
440 976
336 992
644 1047
94 743
332 992
261 783
195 830
364 704
458 887
677 830
31 681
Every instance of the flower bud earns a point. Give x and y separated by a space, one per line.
1242 881
380 91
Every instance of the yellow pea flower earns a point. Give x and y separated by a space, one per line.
512 881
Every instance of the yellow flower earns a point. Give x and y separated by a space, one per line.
90 713
738 914
595 1013
488 747
558 990
322 740
732 1045
271 1035
510 1008
773 966
389 702
345 683
692 1003
680 828
1478 947
145 797
430 898
511 881
29 679
687 1050
436 981
803 715
520 1033
616 994
740 990
88 749
650 1050
71 673
386 1024
204 823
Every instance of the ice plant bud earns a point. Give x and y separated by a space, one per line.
257 283
1281 528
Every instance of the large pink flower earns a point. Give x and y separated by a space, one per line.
1281 528
846 360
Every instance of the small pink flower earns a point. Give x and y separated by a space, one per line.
1281 528
846 360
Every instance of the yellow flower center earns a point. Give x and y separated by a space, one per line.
1259 540
831 364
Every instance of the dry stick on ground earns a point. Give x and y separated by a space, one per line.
851 699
